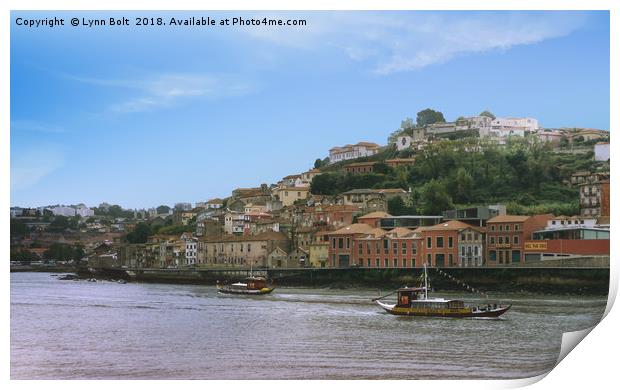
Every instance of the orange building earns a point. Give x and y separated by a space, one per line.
506 236
452 244
373 219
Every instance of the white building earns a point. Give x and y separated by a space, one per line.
348 152
562 222
183 206
84 211
234 222
505 127
190 250
65 211
601 151
215 203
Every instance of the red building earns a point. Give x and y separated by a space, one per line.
373 219
506 236
452 244
362 245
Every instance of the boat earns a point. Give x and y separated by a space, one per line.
414 301
254 285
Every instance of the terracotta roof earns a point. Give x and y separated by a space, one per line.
361 164
509 218
451 225
266 236
375 214
356 228
215 201
291 177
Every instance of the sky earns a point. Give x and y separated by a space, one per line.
147 115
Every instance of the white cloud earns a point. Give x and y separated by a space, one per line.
169 89
404 41
30 166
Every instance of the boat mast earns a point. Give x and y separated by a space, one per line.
425 283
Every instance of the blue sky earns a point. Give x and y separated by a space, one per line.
143 116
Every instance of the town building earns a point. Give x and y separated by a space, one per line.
475 215
360 167
349 152
373 219
215 203
234 222
399 162
505 127
289 195
319 249
239 251
594 198
410 221
601 151
506 236
453 244
183 206
64 211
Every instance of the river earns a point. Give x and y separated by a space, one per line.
64 329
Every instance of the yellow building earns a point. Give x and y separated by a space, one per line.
319 250
288 195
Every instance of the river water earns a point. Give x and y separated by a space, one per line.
105 330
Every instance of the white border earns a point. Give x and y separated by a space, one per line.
591 363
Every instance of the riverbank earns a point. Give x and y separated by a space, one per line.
537 279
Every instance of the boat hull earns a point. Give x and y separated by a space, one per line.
262 291
443 312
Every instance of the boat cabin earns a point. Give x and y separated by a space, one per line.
256 283
415 297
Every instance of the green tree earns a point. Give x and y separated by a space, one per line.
140 233
397 206
428 117
23 255
381 167
318 163
464 186
488 114
434 199
59 224
18 228
59 252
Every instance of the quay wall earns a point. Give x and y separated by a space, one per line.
577 280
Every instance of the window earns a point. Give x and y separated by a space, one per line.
429 242
500 227
492 228
340 243
515 240
439 242
404 263
516 227
462 237
492 255
449 242
368 248
450 259
395 246
360 249
249 247
404 245
377 263
507 228
333 243
500 240
462 251
386 263
516 256
369 263
395 263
